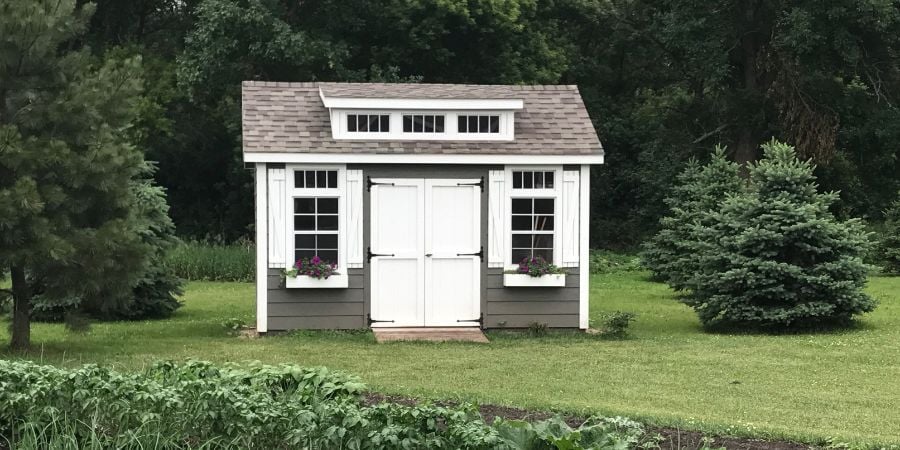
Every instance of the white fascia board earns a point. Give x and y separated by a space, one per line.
418 158
423 103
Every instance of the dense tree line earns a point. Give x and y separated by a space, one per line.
664 81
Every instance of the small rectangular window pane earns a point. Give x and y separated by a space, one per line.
548 180
519 254
363 122
301 254
417 124
521 206
539 180
495 124
543 223
543 206
304 241
327 205
547 254
321 179
304 205
543 241
438 124
429 124
521 241
461 124
332 179
473 124
528 180
483 126
351 122
304 223
298 179
327 223
522 223
310 179
407 124
373 123
385 123
329 256
327 241
517 180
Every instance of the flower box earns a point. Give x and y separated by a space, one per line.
525 280
308 282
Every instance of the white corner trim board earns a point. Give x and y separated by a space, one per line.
584 271
262 267
416 158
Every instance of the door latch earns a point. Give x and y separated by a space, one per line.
479 320
369 254
480 254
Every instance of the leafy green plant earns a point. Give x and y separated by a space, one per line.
200 405
538 329
605 261
615 324
213 262
234 325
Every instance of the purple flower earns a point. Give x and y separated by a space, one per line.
316 260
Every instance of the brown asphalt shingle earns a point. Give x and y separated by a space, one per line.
290 118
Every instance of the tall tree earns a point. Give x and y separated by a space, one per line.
68 223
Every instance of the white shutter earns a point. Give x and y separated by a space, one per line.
277 218
569 230
354 196
496 216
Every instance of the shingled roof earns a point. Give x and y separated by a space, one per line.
283 117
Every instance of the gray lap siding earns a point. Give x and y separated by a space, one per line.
348 308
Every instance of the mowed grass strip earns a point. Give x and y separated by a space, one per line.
808 387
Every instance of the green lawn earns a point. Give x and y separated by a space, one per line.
809 387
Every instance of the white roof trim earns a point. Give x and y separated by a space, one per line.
416 158
422 103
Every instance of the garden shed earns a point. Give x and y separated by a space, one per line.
418 205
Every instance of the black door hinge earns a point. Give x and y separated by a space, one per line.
370 320
480 254
479 320
369 254
479 184
370 183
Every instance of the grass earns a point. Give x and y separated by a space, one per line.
842 385
212 262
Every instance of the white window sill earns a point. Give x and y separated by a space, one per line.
525 280
307 282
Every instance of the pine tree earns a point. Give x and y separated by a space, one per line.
699 189
775 256
67 171
889 245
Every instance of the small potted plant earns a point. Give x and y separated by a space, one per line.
314 273
535 272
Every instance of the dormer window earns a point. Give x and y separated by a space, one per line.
368 123
478 124
423 123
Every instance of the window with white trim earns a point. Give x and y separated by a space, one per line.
369 123
534 207
315 213
423 123
478 124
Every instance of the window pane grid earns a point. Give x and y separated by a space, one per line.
533 179
315 179
316 228
532 229
478 124
368 123
423 123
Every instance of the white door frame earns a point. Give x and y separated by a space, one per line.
425 255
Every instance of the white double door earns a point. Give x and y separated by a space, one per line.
425 236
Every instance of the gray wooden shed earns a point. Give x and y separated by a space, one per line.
424 197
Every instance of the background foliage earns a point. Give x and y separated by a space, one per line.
663 81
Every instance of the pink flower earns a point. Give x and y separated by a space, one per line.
316 260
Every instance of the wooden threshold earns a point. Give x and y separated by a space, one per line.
433 334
